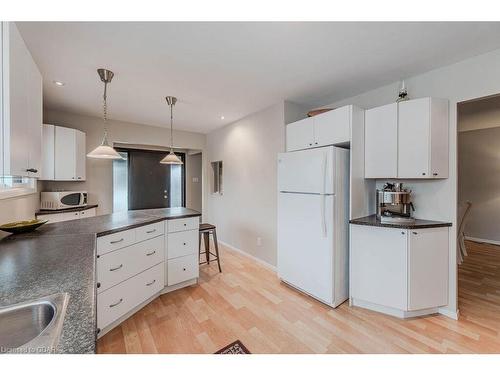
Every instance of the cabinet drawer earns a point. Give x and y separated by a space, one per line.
182 269
115 241
149 231
87 213
188 223
119 265
182 243
117 301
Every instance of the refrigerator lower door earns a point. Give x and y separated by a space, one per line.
307 171
305 243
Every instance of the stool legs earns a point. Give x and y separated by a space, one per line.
206 237
214 233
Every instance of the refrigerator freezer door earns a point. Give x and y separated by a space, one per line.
307 171
305 243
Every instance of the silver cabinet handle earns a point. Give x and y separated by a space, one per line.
151 231
116 268
151 253
151 283
415 232
117 241
117 303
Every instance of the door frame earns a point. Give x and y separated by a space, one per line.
181 156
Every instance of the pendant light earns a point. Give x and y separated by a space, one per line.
171 158
104 151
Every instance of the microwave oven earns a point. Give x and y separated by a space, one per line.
59 200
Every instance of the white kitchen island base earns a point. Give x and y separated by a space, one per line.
392 311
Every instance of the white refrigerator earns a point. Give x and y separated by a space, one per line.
313 210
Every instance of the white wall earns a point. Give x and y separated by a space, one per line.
466 80
247 209
194 191
99 183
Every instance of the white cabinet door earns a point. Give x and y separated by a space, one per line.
414 139
439 138
378 265
427 268
300 135
381 142
65 154
34 113
21 107
333 127
48 138
16 127
80 155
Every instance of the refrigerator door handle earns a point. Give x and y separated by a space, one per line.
323 214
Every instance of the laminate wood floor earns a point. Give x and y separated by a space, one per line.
247 302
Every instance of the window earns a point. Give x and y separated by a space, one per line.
11 186
217 177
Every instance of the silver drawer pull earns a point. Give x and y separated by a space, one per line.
151 283
116 268
116 304
117 241
151 231
151 253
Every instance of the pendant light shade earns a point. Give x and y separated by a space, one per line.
171 158
104 151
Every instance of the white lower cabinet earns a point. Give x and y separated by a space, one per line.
124 263
182 269
136 264
65 216
402 272
117 301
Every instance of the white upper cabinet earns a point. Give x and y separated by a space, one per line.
48 153
300 134
333 127
381 141
69 154
329 128
423 138
407 140
21 107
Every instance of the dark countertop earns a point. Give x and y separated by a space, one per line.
76 209
60 257
418 224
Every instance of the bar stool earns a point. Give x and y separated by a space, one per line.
205 230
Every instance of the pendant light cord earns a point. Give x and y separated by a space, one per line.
171 127
105 110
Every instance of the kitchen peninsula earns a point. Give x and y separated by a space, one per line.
66 257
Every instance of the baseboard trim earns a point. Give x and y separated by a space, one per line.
476 239
244 253
449 313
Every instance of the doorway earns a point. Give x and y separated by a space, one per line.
140 181
478 250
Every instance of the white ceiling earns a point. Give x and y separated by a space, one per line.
234 69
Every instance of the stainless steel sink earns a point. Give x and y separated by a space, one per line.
33 326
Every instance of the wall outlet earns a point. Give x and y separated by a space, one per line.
259 241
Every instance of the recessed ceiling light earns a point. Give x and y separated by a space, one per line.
58 83
222 117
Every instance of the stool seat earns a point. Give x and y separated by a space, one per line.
206 226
